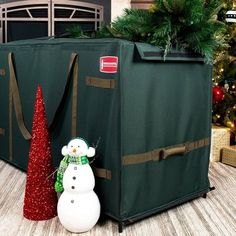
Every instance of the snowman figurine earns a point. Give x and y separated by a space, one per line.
78 206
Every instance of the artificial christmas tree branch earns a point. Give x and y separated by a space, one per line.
180 24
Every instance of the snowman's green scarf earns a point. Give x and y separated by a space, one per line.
63 166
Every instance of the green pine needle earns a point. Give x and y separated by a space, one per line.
174 24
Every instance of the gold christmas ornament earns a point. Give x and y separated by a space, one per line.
153 8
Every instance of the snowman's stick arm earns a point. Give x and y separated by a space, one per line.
52 174
95 146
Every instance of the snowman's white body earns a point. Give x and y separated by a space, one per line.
78 206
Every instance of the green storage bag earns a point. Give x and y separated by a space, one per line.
152 117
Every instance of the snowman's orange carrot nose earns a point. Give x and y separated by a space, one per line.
74 150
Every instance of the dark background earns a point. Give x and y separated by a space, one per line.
26 30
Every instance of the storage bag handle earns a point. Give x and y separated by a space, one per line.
15 97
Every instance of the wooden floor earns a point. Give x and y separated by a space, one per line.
215 215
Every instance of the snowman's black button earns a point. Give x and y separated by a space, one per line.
72 201
74 178
73 187
75 168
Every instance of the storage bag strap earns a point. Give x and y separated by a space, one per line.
73 73
164 153
75 58
100 83
2 131
15 98
101 173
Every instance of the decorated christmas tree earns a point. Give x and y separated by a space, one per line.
40 201
224 76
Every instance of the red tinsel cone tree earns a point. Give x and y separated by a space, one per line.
40 201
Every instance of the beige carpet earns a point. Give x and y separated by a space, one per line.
215 215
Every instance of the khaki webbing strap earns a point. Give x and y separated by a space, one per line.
2 131
14 94
75 57
2 72
102 173
163 153
72 75
198 144
10 146
100 83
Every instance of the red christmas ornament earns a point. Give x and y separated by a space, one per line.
40 201
218 94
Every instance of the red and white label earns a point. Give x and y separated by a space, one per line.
108 64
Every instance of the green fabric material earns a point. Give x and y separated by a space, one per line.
63 166
152 53
155 104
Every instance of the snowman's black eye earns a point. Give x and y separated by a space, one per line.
71 146
78 146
